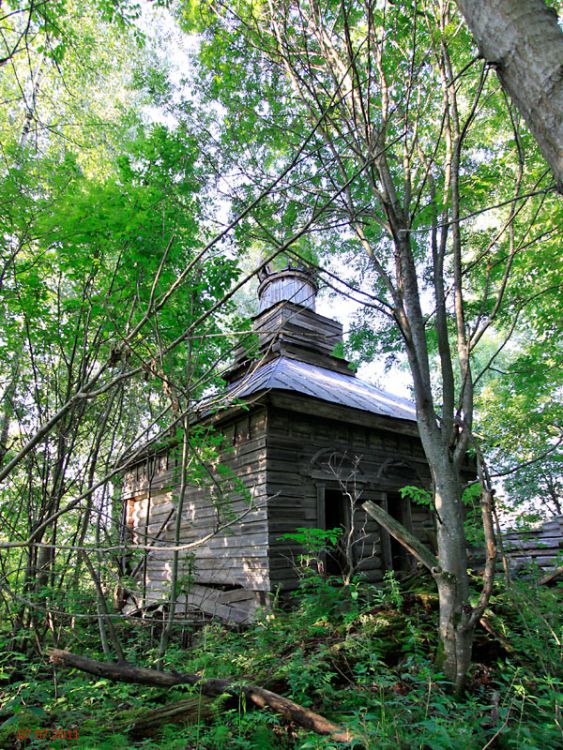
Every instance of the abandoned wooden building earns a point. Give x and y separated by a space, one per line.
304 443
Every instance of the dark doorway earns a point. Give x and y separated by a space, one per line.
336 516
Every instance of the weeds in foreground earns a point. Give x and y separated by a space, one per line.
360 655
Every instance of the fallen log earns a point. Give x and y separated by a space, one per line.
188 711
552 577
259 696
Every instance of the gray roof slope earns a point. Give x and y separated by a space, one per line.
292 375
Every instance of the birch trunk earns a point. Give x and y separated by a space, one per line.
523 41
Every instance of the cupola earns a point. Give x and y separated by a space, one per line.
287 325
291 284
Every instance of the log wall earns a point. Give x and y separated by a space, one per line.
310 457
289 457
542 545
227 574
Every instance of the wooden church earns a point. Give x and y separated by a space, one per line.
303 443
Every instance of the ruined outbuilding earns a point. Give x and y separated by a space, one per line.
304 443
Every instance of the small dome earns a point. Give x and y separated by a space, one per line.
289 285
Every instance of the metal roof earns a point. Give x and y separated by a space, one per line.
318 382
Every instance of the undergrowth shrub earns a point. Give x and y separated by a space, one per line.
358 654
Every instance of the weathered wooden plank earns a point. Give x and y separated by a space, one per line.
337 413
248 474
373 576
159 580
541 543
217 554
371 461
548 561
191 532
369 563
203 553
216 578
534 535
207 566
367 552
202 500
241 521
204 516
533 553
218 544
237 595
207 600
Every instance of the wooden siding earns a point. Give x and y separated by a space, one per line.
298 444
233 559
280 454
542 545
289 286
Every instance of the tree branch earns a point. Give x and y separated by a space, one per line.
403 536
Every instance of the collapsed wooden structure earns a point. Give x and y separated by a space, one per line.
304 443
540 544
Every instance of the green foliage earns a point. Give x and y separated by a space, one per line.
101 212
530 617
278 83
418 495
316 545
314 541
365 663
520 414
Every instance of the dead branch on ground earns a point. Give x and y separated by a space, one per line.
256 695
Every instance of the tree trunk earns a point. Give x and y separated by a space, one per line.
523 41
449 569
453 584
